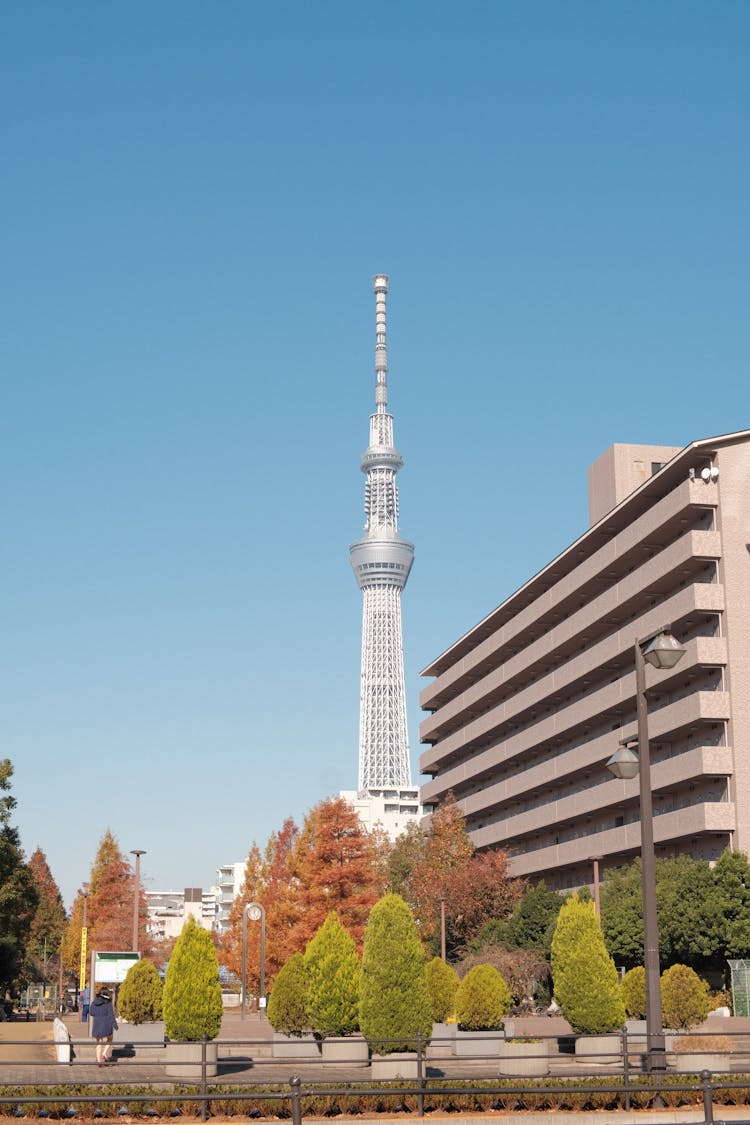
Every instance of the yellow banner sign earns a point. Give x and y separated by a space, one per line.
82 974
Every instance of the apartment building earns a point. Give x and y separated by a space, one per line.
526 708
230 878
167 911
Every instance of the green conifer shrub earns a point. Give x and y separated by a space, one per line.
192 992
442 982
333 976
394 999
685 998
634 992
287 1004
140 997
482 1000
586 983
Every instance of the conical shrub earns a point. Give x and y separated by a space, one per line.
586 983
442 982
287 1004
394 999
333 978
192 992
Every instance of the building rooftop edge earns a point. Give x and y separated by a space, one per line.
670 468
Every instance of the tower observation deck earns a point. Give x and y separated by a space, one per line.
382 560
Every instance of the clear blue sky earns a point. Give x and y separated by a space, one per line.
195 197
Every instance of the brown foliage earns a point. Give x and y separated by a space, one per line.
265 878
521 969
109 907
336 865
476 886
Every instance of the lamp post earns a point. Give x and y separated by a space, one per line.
660 650
137 852
256 913
442 927
597 904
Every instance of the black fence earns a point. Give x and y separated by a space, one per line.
544 1071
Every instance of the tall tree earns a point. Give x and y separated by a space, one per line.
336 865
472 887
732 876
18 893
253 887
531 924
47 925
266 877
109 907
704 913
407 851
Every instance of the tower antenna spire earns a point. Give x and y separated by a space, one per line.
380 285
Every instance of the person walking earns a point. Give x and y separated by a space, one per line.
103 1025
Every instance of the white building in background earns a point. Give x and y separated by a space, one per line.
382 560
230 878
167 911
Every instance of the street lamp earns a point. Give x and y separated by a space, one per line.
137 852
663 651
442 927
255 912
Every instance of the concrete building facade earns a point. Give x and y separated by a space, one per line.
168 911
526 708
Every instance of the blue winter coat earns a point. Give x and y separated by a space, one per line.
103 1018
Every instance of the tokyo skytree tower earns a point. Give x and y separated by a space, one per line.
381 562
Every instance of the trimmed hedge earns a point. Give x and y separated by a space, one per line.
271 1100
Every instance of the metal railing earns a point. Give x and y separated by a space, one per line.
613 1066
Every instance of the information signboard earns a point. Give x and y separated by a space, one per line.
111 968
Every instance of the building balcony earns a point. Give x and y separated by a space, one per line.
560 624
671 829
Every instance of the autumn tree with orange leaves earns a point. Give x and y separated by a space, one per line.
332 864
265 875
444 866
336 865
109 907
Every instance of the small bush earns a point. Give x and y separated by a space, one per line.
140 997
482 999
287 1004
685 998
442 982
634 992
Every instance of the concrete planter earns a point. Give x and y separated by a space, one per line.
401 1064
151 1033
599 1049
184 1060
526 1060
485 1044
693 1062
442 1040
295 1046
349 1050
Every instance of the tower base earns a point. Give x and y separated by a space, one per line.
392 810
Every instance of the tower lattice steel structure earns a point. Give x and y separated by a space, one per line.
381 562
